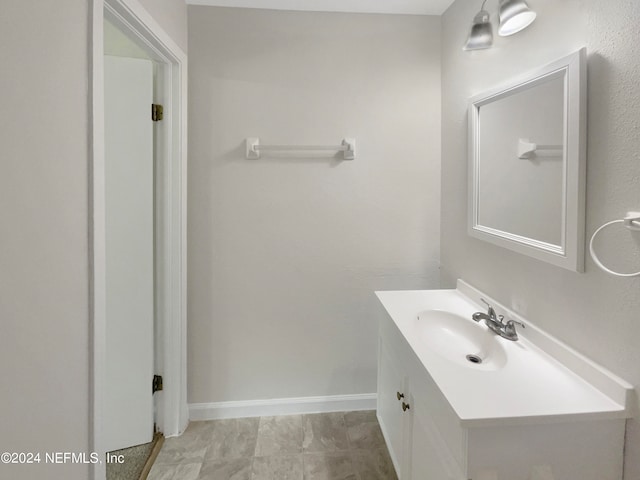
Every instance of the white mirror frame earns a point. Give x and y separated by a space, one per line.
570 254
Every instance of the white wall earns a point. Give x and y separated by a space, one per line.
44 269
44 355
171 15
284 254
593 312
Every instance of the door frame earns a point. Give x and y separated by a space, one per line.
171 218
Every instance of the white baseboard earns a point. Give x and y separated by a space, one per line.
282 406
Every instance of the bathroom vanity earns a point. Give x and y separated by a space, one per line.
458 402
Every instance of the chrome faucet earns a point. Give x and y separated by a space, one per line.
496 322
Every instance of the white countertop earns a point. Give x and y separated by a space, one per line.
531 387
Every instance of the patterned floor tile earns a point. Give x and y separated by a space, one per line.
324 432
328 466
279 435
277 467
364 431
233 438
185 471
233 469
373 464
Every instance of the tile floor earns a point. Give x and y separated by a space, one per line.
324 446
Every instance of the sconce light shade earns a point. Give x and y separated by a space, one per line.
514 15
481 35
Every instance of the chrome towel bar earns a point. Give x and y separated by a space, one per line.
253 148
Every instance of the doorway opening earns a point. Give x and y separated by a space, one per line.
138 230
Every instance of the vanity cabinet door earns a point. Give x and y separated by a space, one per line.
391 384
430 458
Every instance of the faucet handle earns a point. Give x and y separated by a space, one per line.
510 326
509 329
490 311
512 323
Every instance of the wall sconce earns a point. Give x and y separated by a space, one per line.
513 15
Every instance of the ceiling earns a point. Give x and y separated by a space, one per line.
399 7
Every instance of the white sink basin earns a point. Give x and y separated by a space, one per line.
536 376
461 340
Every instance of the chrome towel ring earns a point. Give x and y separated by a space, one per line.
631 222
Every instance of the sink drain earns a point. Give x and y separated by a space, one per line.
474 359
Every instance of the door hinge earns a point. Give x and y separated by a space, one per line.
156 385
157 112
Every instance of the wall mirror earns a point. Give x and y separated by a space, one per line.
527 163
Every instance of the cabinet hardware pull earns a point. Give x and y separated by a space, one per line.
399 395
405 407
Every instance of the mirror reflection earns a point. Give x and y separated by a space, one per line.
521 152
